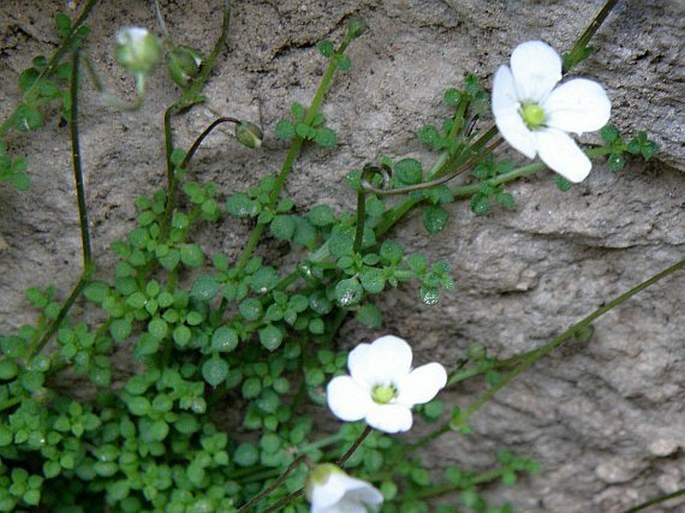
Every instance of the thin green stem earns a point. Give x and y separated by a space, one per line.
88 265
190 97
437 490
535 355
284 501
294 151
54 325
264 493
76 161
578 51
361 218
348 454
256 233
656 500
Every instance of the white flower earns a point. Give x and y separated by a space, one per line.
534 116
138 50
330 490
382 386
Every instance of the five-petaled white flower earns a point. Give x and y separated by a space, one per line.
534 116
330 490
382 387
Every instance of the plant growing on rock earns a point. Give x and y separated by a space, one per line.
209 334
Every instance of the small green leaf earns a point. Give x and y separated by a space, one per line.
321 215
8 370
505 199
298 110
609 134
31 381
284 130
304 130
563 184
224 339
138 406
214 371
452 97
27 79
251 309
63 23
325 48
241 205
370 316
616 161
27 118
270 337
373 280
204 288
283 227
158 328
246 455
348 292
480 205
326 138
192 255
435 218
120 329
409 171
344 63
316 326
391 251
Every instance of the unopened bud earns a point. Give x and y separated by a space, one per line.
318 477
184 64
356 28
138 50
248 134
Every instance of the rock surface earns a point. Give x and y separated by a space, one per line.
605 419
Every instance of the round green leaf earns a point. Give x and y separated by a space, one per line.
204 288
348 292
214 371
270 337
192 255
435 218
224 339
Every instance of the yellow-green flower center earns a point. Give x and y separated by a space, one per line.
383 394
533 115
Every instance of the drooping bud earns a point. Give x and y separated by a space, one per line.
248 134
356 28
183 63
138 50
330 489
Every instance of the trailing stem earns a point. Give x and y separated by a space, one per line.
88 264
533 356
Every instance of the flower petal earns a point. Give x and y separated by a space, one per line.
422 384
344 493
391 418
579 105
562 154
347 399
361 492
536 67
505 108
386 360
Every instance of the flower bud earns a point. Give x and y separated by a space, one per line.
138 50
183 63
248 134
356 28
330 489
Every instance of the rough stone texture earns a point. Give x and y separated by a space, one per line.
605 419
